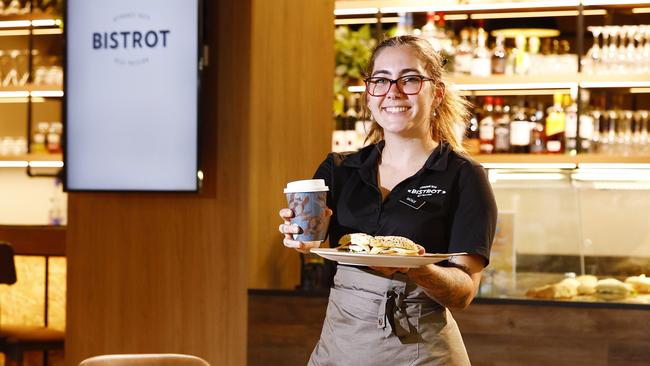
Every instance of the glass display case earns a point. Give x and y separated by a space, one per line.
570 232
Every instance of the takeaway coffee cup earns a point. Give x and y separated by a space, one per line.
307 199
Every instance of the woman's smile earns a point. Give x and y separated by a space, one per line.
395 109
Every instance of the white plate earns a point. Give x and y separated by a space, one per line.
382 260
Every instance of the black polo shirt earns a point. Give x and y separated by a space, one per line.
447 206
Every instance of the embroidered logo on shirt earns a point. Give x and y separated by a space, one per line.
427 191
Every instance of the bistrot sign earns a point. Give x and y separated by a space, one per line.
131 95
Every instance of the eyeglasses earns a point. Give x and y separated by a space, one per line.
409 85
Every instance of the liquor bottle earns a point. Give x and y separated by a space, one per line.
499 59
520 130
486 127
522 59
464 54
404 24
537 134
445 36
430 32
586 122
351 138
481 63
501 127
472 141
571 125
537 64
57 210
598 116
555 125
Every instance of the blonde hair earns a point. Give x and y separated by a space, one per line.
451 114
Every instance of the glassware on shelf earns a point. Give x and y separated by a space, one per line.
594 55
640 137
10 145
10 71
625 50
646 48
13 8
22 66
39 137
620 61
624 133
630 49
606 55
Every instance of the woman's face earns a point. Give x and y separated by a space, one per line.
396 112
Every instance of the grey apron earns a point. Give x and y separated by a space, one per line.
376 320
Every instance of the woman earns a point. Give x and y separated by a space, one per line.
413 181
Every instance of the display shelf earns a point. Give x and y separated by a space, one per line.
530 159
449 7
606 80
506 83
36 91
615 4
39 19
37 160
35 240
547 83
344 8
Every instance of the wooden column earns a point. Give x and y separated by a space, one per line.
292 53
169 272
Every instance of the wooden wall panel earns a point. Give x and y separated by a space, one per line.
166 273
291 121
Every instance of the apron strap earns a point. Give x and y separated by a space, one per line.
392 315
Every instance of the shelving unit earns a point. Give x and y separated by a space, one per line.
12 29
512 85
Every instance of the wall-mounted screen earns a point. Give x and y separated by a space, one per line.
131 95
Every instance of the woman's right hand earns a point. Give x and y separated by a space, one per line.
288 230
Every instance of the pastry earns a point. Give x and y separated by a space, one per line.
640 283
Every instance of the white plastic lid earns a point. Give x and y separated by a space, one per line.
307 185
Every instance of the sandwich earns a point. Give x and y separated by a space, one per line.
640 283
587 284
612 289
364 243
398 245
355 243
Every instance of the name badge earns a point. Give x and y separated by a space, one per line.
412 202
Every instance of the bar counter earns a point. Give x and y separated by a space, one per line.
284 326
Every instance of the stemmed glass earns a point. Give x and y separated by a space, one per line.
594 54
646 48
639 62
630 50
607 39
13 8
